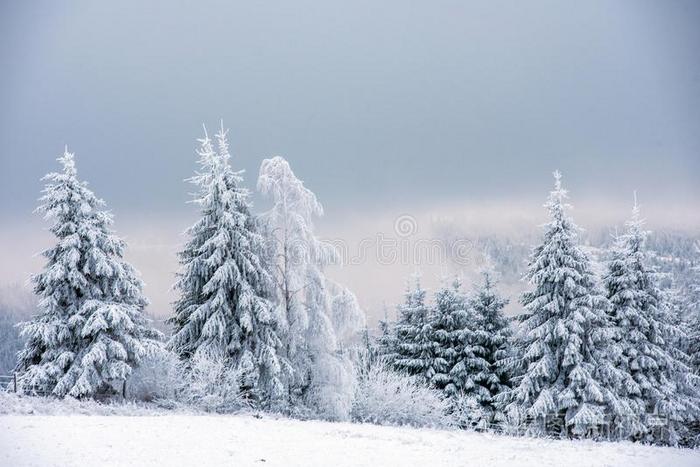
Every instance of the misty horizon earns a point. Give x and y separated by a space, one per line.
153 242
454 115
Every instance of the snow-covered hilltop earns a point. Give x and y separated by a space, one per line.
248 441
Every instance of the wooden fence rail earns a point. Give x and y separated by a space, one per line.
9 381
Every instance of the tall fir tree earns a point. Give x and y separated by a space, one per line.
494 339
693 349
692 319
415 344
658 386
223 309
386 341
470 368
564 333
91 329
451 334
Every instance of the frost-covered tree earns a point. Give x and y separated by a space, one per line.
692 320
320 317
91 329
387 341
693 342
347 317
332 342
415 343
493 336
222 309
658 385
450 333
563 333
470 368
293 249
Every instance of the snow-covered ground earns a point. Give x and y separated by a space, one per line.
175 440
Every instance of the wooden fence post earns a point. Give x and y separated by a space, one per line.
124 390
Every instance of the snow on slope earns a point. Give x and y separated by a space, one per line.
244 440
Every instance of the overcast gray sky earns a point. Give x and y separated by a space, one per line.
383 106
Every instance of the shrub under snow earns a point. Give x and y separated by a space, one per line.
205 382
212 384
157 378
386 397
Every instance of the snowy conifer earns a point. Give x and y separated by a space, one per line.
222 310
493 335
450 328
387 341
415 343
321 318
470 368
692 320
91 329
693 342
564 326
658 385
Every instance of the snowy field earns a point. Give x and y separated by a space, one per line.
175 440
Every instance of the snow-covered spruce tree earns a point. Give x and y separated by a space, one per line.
223 310
693 348
91 329
322 368
692 319
414 336
470 369
450 328
493 336
564 334
658 385
368 352
387 341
